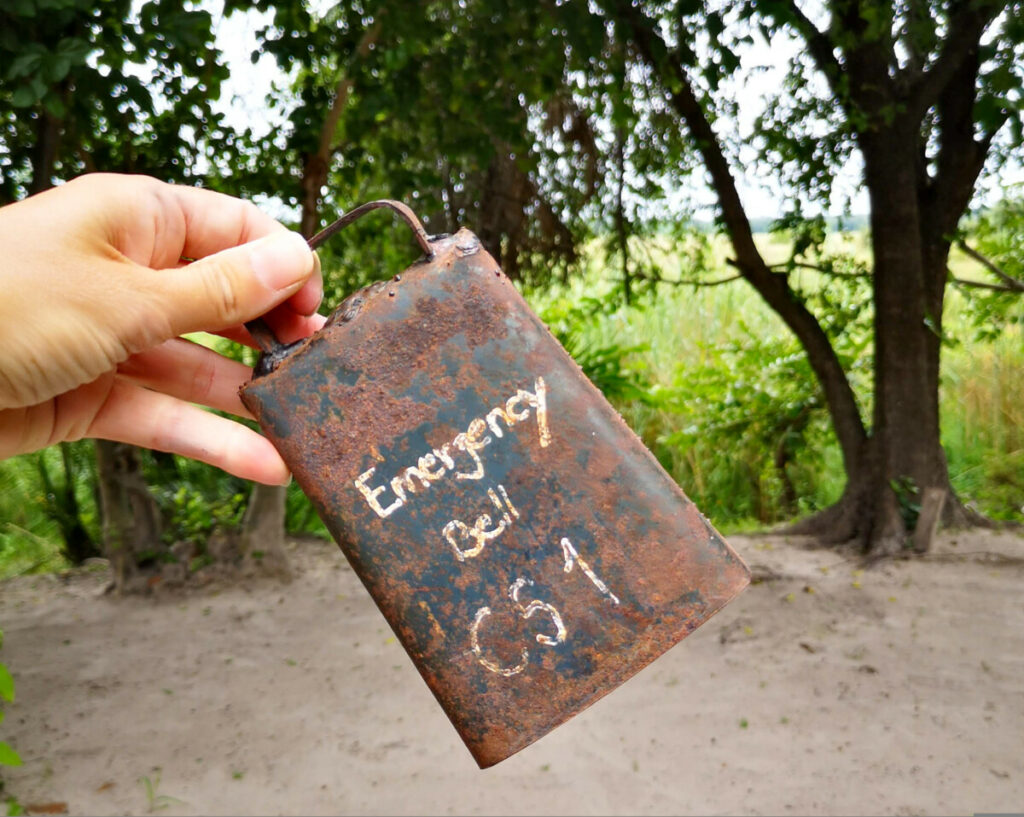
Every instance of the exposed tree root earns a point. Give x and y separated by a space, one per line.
958 515
858 518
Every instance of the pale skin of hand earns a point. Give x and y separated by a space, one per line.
97 286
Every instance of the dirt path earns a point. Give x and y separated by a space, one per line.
822 689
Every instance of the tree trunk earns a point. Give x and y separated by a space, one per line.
921 178
60 503
131 518
44 153
621 232
263 532
903 458
314 177
908 328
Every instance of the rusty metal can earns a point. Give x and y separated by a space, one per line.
527 550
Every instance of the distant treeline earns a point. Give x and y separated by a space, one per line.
764 224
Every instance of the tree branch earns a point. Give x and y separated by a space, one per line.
963 282
772 287
960 158
819 45
317 165
655 52
813 267
694 282
917 14
344 87
984 141
1010 284
966 27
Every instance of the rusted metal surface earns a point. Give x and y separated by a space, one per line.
526 549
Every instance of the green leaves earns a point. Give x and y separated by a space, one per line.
6 684
8 757
28 93
614 367
28 67
21 8
73 50
27 63
34 69
118 87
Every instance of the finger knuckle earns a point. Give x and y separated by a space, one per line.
203 379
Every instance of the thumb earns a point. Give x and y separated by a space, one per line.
237 284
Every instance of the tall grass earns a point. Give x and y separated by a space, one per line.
983 422
33 502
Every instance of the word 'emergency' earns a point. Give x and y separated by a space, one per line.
460 457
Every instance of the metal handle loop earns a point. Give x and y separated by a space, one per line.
261 331
403 211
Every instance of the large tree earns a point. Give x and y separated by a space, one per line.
921 92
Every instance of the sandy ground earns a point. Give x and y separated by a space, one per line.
824 688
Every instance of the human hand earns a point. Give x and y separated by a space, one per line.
95 293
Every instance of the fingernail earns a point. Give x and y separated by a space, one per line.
318 275
281 260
